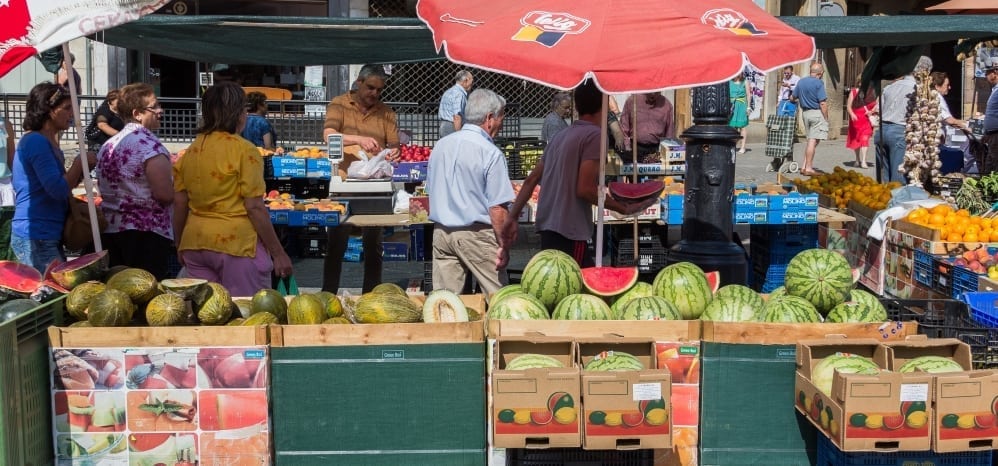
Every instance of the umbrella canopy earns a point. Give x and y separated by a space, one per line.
971 7
626 46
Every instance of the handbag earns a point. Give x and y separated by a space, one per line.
93 135
76 232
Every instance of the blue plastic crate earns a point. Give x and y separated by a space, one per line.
770 278
983 307
830 455
964 280
764 255
924 270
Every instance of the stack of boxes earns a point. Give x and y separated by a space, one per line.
771 204
302 177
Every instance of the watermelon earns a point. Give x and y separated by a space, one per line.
741 292
931 364
732 309
518 306
861 296
582 307
779 292
684 285
609 281
791 309
824 371
650 308
532 361
504 291
613 361
639 290
820 276
85 268
855 311
551 275
635 191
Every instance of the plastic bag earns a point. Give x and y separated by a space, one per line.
287 286
371 169
401 202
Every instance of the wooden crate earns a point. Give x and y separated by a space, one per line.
137 337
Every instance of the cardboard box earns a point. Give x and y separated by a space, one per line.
871 264
625 410
411 172
536 408
319 168
926 239
862 412
419 209
653 212
835 239
288 167
767 333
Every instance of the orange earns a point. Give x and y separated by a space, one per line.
958 228
955 238
975 220
941 209
971 237
951 218
994 236
986 222
963 213
937 219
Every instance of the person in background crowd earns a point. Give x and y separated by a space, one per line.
654 121
6 187
106 120
860 105
812 99
739 92
786 107
62 78
452 103
569 174
258 130
940 81
42 184
554 121
136 185
366 124
469 189
991 115
221 225
890 138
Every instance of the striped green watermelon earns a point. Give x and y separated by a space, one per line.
856 311
582 307
506 290
741 292
684 285
609 281
551 275
820 276
532 361
776 293
931 364
731 310
639 290
862 296
824 371
612 361
518 306
650 308
791 309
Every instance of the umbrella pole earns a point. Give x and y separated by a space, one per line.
634 174
601 191
88 185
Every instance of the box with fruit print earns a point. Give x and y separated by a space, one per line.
536 394
627 402
682 360
842 389
930 240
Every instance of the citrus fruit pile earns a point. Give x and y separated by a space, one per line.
955 225
844 185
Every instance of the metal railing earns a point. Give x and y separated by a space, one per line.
293 124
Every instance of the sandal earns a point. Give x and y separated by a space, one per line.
741 151
865 165
810 173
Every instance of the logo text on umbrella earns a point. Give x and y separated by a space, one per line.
730 20
547 28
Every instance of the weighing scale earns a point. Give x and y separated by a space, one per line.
371 197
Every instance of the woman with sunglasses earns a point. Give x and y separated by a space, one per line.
41 182
136 185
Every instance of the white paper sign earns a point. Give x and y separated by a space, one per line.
647 391
914 392
313 76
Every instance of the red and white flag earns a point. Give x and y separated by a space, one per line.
30 26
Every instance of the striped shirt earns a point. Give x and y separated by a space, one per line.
452 103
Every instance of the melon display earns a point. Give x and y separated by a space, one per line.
518 306
582 307
386 308
635 192
790 309
324 296
823 372
238 321
870 299
15 307
244 306
337 321
551 275
931 364
18 280
778 292
306 310
532 361
85 268
612 361
110 308
684 285
639 290
820 276
388 288
444 306
166 310
138 284
79 299
334 307
260 318
270 300
650 308
856 311
186 288
732 309
741 292
216 308
503 292
609 281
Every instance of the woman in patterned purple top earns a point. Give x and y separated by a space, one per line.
136 184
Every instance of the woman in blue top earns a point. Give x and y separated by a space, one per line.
41 182
258 130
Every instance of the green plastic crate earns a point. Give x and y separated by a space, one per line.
26 418
746 407
384 405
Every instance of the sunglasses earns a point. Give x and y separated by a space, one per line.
59 94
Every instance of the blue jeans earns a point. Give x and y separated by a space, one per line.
890 152
37 253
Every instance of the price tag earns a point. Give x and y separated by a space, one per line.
647 391
914 392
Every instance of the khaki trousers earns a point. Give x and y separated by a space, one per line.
457 251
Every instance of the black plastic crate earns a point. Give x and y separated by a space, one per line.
793 234
300 188
830 455
578 457
652 256
766 255
948 318
522 154
942 276
312 245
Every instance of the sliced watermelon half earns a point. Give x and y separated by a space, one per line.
609 281
19 279
713 280
634 191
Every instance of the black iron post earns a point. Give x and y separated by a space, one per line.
710 179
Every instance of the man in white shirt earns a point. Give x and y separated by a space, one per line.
452 103
786 107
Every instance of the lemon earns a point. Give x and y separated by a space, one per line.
965 421
656 417
824 419
876 421
522 416
565 415
613 419
833 428
807 404
917 419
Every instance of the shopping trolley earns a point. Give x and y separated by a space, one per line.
780 143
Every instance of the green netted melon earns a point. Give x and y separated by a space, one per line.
186 288
81 323
334 307
110 308
79 299
324 296
138 284
244 306
386 308
83 269
337 321
260 318
217 307
166 310
388 288
236 322
113 271
306 310
270 300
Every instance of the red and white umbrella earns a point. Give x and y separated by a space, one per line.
625 46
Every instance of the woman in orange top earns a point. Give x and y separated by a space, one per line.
222 227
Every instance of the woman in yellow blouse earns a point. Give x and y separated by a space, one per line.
221 225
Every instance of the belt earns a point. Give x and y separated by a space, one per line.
989 132
806 109
892 123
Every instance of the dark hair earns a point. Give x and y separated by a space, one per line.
938 78
133 97
588 98
42 99
221 108
255 100
113 94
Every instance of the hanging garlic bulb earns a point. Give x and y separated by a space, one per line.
921 158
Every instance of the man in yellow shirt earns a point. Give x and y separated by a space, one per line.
366 124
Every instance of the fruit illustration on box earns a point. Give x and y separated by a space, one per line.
967 421
651 413
560 409
681 360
